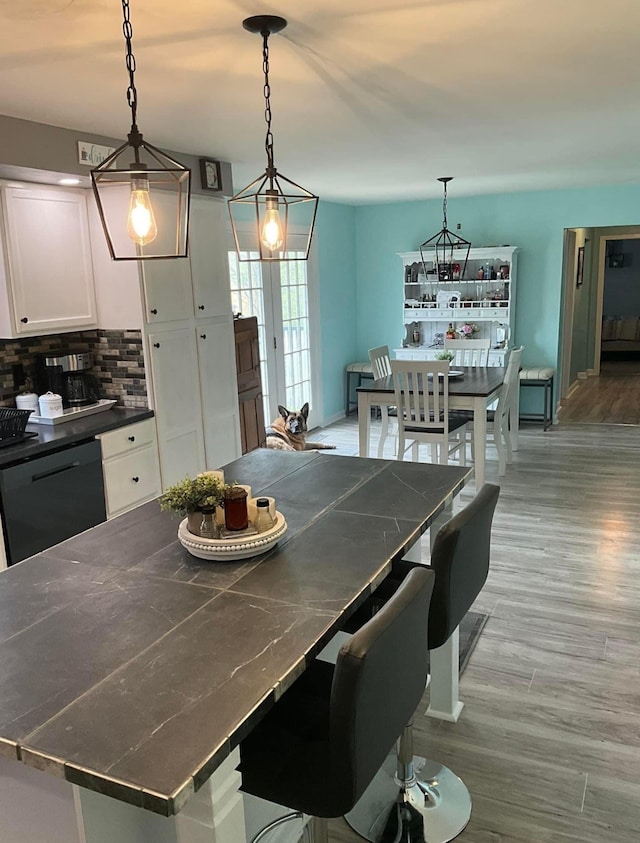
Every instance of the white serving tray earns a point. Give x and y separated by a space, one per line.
241 547
73 413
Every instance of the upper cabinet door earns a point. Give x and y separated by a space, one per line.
209 262
49 259
167 290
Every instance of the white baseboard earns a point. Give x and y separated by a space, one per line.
582 376
332 419
572 389
591 373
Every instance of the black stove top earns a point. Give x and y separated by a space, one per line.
16 440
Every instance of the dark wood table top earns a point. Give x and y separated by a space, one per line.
131 668
477 381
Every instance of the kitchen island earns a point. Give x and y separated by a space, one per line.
130 670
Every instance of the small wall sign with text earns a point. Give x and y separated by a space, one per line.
92 154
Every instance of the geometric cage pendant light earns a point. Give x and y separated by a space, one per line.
273 217
444 243
141 192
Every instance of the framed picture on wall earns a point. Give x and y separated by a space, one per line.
580 267
210 174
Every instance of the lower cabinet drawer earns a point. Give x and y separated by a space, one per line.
131 479
125 439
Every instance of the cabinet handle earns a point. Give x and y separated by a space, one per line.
156 345
132 438
203 336
135 479
24 319
200 307
154 310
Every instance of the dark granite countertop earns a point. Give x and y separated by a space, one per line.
54 437
131 668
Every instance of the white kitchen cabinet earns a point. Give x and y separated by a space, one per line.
190 350
208 254
219 394
167 290
178 408
47 279
130 466
484 297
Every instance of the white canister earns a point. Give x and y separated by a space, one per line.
27 401
50 405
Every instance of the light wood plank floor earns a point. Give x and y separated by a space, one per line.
549 739
611 398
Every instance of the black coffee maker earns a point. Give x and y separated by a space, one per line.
69 376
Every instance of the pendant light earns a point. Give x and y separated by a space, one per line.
273 217
444 243
142 193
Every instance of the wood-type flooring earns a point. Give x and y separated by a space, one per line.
548 742
611 398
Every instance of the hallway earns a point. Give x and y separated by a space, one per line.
611 398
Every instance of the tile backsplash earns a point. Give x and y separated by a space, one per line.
117 362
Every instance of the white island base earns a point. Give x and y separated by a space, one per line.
37 807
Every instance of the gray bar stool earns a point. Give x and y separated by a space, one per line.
322 743
398 805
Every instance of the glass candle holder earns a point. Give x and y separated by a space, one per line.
236 516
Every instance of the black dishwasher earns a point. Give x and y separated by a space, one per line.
48 499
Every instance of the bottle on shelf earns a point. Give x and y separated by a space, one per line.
451 333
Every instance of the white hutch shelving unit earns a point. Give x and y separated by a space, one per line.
431 304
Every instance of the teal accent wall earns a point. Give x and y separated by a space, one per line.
534 221
360 273
335 243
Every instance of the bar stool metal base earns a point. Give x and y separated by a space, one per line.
435 808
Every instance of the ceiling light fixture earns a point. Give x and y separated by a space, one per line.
144 202
273 217
68 181
444 243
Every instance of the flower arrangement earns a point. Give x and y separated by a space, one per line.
445 355
468 330
192 495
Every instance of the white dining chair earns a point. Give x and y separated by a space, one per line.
499 420
422 399
381 367
469 352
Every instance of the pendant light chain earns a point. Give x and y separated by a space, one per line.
444 209
132 94
268 141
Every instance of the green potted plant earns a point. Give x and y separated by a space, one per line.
445 355
193 496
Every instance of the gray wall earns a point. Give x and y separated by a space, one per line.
26 146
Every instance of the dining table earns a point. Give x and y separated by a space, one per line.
474 390
130 671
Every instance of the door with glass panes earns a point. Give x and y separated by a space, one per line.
278 295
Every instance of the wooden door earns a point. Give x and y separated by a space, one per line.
249 384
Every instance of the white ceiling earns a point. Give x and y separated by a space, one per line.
372 101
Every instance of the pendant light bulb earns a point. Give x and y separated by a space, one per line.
141 222
272 235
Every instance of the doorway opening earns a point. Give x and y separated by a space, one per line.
600 325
